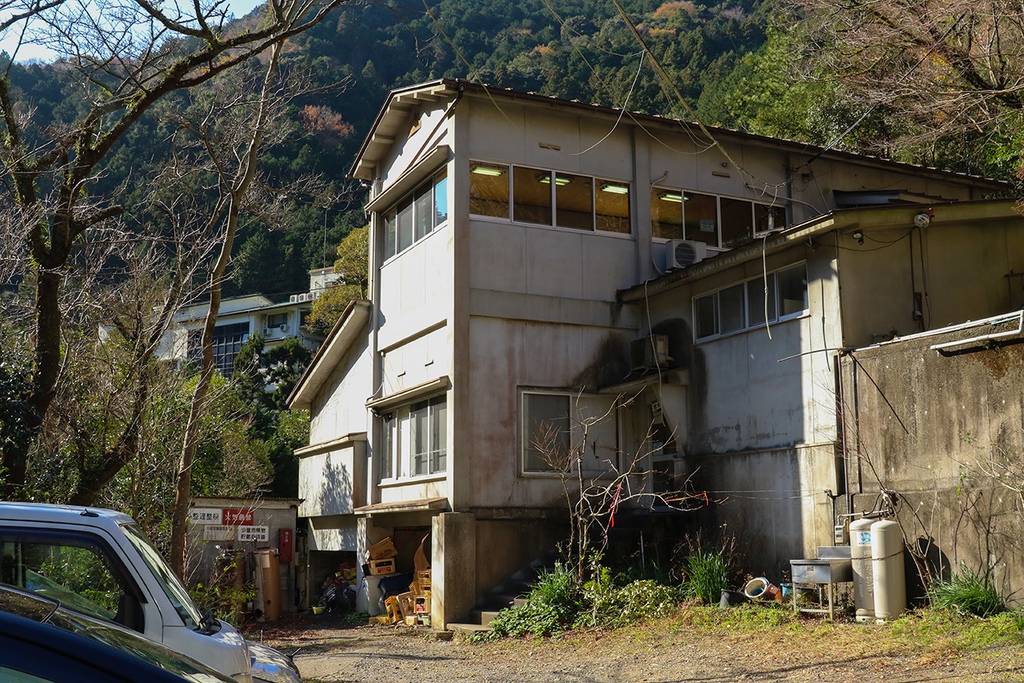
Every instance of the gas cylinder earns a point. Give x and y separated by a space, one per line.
863 576
889 579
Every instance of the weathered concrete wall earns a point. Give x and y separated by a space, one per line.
333 481
509 356
881 276
504 546
929 426
771 501
340 405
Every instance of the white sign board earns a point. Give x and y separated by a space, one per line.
253 533
207 516
218 532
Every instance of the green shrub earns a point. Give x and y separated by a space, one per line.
967 592
614 606
552 606
707 574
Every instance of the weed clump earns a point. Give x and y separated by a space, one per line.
967 593
707 575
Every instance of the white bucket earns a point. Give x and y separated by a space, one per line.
762 589
755 588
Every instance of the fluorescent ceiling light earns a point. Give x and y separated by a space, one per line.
488 171
559 180
676 197
615 189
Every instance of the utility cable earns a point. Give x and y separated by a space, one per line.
669 83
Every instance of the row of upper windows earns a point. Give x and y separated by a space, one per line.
779 295
416 215
568 200
723 222
552 198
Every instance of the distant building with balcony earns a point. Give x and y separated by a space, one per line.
241 316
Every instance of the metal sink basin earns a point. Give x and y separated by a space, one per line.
833 552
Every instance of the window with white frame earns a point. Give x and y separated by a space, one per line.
549 198
416 215
721 222
780 295
414 441
562 432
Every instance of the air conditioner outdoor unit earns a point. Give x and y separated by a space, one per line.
649 352
284 327
266 331
293 299
682 253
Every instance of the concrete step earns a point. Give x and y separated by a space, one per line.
485 617
468 628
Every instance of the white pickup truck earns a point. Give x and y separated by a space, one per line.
100 563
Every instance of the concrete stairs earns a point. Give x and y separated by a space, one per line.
512 591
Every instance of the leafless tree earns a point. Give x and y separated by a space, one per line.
948 68
594 498
125 56
224 137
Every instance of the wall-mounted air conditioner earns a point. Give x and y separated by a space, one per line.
682 253
649 352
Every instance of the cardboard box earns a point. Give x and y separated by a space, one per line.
382 567
422 605
383 550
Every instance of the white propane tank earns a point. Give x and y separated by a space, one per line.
889 579
863 576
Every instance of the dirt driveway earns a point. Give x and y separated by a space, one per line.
671 650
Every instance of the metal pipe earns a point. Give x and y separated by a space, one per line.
985 337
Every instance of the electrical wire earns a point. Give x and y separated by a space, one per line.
622 111
670 84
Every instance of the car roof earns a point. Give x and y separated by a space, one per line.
67 514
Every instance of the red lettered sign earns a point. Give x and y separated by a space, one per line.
235 517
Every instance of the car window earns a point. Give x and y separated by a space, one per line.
69 568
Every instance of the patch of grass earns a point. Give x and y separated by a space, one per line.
707 575
967 593
744 618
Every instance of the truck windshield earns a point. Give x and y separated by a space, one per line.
169 583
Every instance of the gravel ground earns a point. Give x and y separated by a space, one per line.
330 651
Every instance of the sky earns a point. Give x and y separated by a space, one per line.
27 53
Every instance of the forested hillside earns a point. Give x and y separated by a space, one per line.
738 64
575 49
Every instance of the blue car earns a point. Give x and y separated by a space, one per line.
41 641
